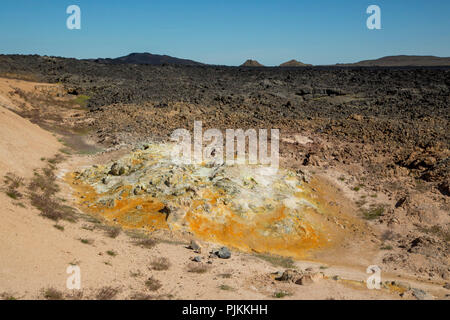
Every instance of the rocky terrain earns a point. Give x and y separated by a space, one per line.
377 139
398 61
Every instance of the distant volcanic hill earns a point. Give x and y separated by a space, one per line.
251 63
295 63
148 58
402 61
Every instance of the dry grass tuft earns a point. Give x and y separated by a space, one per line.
196 267
145 243
278 261
112 231
53 294
160 264
141 296
107 293
13 183
153 284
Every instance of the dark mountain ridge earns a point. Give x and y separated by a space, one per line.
147 58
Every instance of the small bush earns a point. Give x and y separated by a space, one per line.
373 214
141 296
59 227
146 243
387 235
281 294
81 100
153 284
45 183
112 231
111 253
107 293
160 264
53 294
7 296
278 261
437 231
13 182
87 241
196 267
225 287
51 208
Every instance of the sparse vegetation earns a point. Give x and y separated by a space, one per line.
107 293
112 231
59 227
153 284
12 184
111 253
42 190
135 274
225 275
437 231
87 241
53 294
20 204
225 287
387 235
160 264
196 267
81 100
145 243
373 213
7 296
387 247
75 295
278 261
141 296
281 294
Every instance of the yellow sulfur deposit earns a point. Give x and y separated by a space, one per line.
242 206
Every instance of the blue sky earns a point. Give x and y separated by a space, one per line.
227 31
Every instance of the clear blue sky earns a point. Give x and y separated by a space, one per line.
227 31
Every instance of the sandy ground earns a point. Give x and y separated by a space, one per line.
34 255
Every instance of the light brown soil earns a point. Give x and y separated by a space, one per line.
34 254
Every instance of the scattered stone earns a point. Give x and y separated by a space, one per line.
421 294
197 259
310 278
288 275
195 246
223 253
305 280
118 170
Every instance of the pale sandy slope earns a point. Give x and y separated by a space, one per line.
34 255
